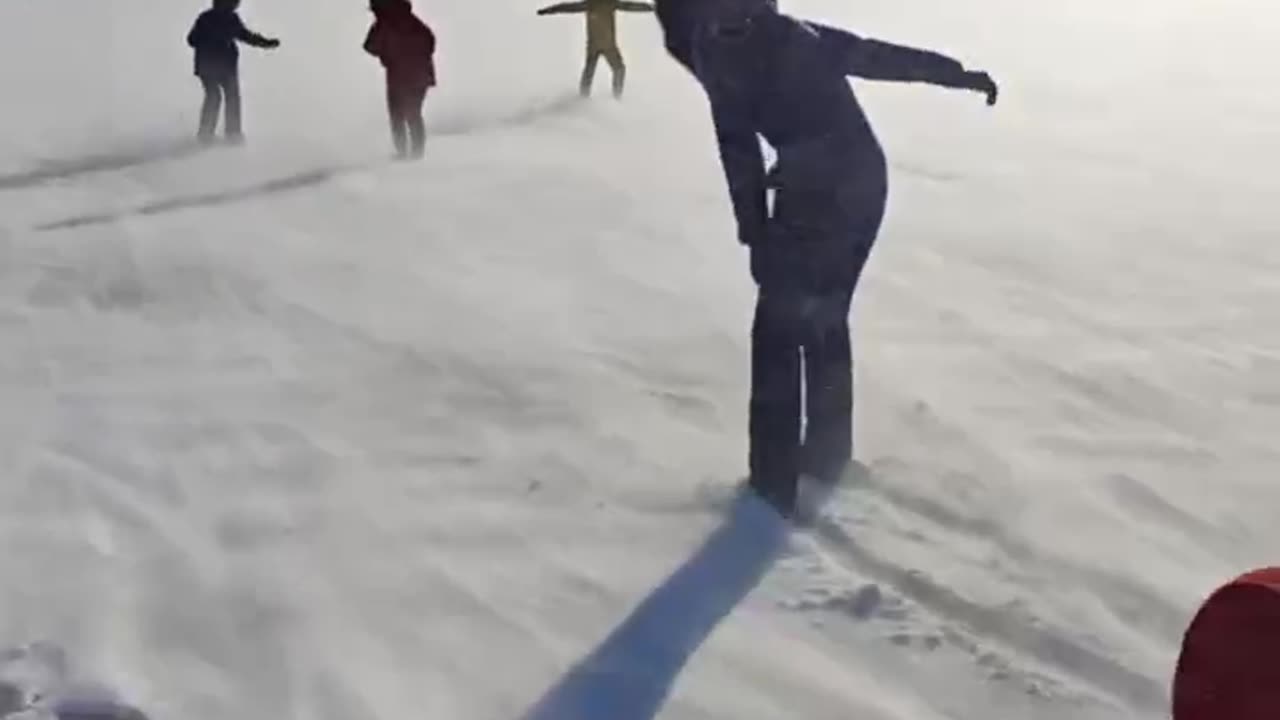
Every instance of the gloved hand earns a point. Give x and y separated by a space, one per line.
982 82
753 234
272 43
770 254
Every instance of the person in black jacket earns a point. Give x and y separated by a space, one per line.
213 37
769 75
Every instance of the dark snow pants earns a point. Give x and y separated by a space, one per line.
220 88
404 108
806 270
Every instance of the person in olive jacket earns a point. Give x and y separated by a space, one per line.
602 37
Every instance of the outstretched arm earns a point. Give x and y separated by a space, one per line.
743 165
249 37
628 6
878 60
564 7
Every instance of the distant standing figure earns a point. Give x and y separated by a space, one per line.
213 37
602 37
406 47
768 75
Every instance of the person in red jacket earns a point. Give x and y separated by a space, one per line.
1229 666
406 47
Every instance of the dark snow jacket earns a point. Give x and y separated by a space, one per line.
214 36
772 76
403 43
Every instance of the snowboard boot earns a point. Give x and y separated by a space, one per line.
780 493
812 496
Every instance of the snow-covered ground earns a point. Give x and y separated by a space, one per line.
292 431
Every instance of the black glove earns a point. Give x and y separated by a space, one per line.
753 234
982 82
272 43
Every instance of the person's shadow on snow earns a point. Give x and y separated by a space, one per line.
630 674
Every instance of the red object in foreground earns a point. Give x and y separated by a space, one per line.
1230 663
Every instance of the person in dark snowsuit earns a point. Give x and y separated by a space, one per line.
213 37
406 47
769 75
